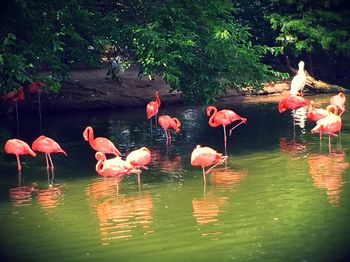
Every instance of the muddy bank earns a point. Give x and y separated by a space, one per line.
90 90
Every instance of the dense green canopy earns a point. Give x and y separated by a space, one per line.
201 48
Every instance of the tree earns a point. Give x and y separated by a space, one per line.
315 30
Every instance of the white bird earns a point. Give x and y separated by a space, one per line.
299 80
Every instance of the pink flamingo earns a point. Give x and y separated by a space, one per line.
339 101
167 122
152 109
315 114
47 146
100 144
224 117
18 147
114 167
139 158
292 102
329 125
206 156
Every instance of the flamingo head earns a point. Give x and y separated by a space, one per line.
332 109
86 133
210 109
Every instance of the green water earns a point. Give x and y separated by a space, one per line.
281 196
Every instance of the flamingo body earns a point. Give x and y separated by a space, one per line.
329 125
18 147
315 114
15 96
36 87
114 166
140 157
298 81
47 146
153 107
167 122
206 156
100 144
292 102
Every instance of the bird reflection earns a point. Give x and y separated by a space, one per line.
166 163
22 195
119 215
326 171
293 149
299 119
206 210
50 197
225 177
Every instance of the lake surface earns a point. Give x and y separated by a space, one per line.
281 196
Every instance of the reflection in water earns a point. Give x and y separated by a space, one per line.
299 117
206 210
22 195
292 149
49 198
167 163
326 170
119 215
225 177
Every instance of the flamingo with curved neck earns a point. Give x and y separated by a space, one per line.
152 109
100 144
224 117
167 122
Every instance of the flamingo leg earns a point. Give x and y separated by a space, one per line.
223 158
225 139
19 167
329 144
204 173
235 127
47 161
169 135
139 181
150 124
166 136
51 162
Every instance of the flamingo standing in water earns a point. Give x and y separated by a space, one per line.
18 147
152 109
206 156
298 81
224 117
139 158
292 102
167 122
100 144
47 146
315 114
329 125
339 101
114 167
15 96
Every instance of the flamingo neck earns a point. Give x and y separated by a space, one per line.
211 119
158 99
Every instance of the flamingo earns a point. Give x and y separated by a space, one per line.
15 96
292 102
114 167
100 144
139 158
315 114
18 147
152 109
339 101
47 146
298 81
224 117
167 122
206 156
36 88
329 125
